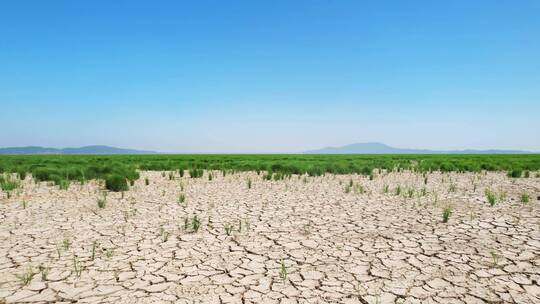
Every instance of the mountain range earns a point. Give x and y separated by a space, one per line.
81 150
379 148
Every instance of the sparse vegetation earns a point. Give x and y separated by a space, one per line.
26 276
116 183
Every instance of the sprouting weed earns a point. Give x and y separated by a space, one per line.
359 189
165 236
186 223
195 223
397 191
347 189
452 188
26 276
228 229
146 181
65 244
447 211
93 250
386 188
494 257
77 267
351 183
171 176
524 198
109 252
283 271
102 202
182 199
44 270
423 192
210 177
249 183
410 192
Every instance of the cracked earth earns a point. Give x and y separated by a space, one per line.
298 240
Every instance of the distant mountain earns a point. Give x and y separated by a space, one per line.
81 150
378 148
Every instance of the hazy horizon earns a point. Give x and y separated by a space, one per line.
255 77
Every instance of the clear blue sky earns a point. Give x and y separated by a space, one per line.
270 76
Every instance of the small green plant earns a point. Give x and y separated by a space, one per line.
93 251
24 204
164 236
146 181
228 229
171 176
452 188
181 199
195 223
526 174
65 244
491 197
210 177
101 202
26 276
249 183
283 270
359 189
44 270
410 192
397 191
77 267
494 257
109 252
447 211
348 189
524 198
386 188
423 192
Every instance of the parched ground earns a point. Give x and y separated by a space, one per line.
298 240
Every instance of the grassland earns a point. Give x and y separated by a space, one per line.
62 169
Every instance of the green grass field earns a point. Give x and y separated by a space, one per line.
62 168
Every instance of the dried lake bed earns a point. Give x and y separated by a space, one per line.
402 237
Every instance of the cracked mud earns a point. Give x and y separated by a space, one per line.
297 240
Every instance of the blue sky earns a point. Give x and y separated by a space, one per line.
270 76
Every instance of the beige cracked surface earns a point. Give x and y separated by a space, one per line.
299 240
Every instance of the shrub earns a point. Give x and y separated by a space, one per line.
514 173
524 198
116 183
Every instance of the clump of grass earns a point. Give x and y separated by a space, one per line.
359 189
164 235
527 174
347 188
171 176
63 184
283 270
491 197
146 181
524 198
8 185
196 173
249 183
423 192
26 276
515 173
210 177
452 188
386 188
410 192
116 183
447 211
195 223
